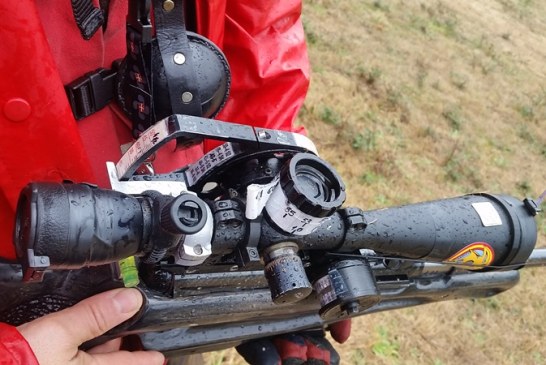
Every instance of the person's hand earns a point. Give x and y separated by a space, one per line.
55 338
297 349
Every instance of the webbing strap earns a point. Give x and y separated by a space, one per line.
156 78
176 56
134 91
88 18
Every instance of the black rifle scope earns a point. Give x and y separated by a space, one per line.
68 226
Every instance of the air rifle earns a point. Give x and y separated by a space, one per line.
251 241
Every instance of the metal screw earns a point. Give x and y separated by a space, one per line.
351 308
187 97
168 5
252 252
43 260
179 58
198 250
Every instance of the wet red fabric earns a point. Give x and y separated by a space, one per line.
42 50
268 58
265 46
46 145
14 349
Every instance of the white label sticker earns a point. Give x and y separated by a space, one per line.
287 216
488 214
257 197
147 140
209 161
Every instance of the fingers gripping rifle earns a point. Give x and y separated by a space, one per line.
251 241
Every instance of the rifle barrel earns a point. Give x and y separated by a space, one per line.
537 258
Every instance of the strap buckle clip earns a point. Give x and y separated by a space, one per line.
91 92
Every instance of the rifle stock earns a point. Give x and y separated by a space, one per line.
206 317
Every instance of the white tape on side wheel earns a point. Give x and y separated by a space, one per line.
288 217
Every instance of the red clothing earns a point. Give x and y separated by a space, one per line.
14 349
43 49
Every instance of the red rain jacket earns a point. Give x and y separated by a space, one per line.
42 50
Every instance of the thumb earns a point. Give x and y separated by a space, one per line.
84 321
94 316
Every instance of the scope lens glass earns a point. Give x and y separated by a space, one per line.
313 183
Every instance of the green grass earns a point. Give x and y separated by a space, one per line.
330 116
454 116
386 345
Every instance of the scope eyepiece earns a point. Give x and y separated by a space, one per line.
69 226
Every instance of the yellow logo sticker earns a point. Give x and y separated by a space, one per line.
475 254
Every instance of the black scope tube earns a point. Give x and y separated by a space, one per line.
76 225
450 230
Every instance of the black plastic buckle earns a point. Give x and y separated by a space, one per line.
91 92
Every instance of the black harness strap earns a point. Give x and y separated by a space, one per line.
157 77
88 18
135 84
176 56
105 6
